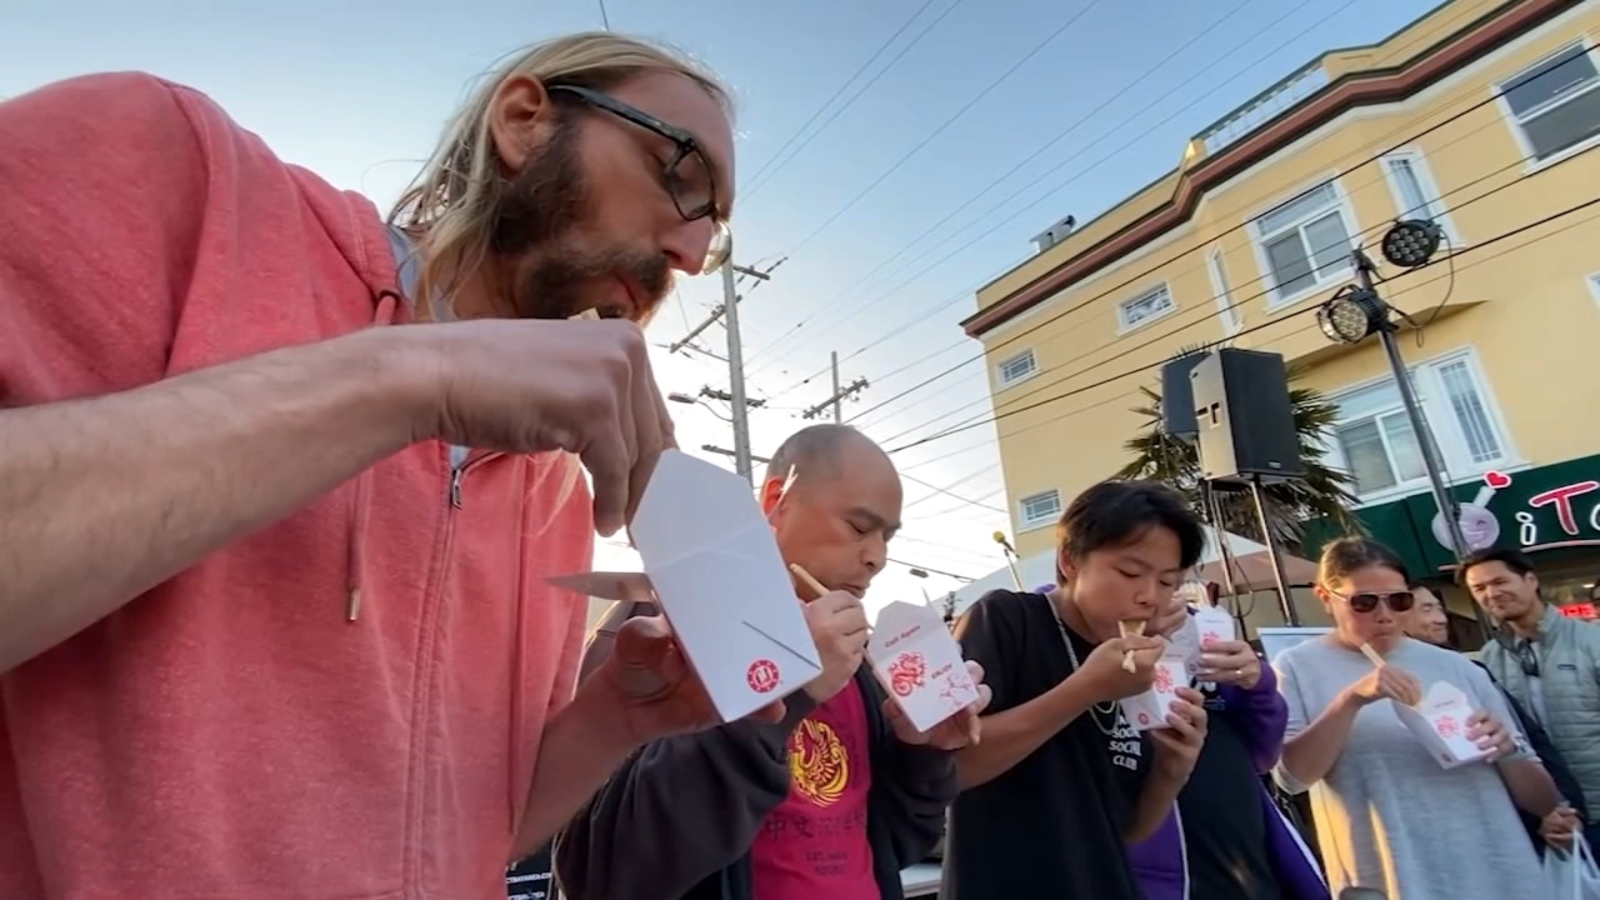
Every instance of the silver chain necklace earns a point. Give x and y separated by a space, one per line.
1099 712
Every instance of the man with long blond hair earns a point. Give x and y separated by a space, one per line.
281 482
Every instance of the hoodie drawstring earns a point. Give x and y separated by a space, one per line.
361 513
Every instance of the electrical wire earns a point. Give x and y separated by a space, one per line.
933 135
1448 291
967 292
1223 310
849 292
757 186
973 424
1145 273
1277 321
756 176
932 570
1042 197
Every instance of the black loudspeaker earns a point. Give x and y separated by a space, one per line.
1246 423
1177 397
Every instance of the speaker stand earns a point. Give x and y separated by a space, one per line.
1285 599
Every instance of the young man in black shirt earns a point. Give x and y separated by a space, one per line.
1061 782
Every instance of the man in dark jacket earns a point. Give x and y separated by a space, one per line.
834 800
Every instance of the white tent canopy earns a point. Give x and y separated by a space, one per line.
1040 568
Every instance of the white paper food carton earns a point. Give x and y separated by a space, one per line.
1214 625
712 565
919 663
1185 643
1440 723
1148 711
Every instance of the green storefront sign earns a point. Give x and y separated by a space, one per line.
1546 508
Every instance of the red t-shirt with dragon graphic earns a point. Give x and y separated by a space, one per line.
816 840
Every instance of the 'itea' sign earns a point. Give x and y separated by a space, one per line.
1568 512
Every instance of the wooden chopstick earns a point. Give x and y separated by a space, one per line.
806 579
1134 627
1371 654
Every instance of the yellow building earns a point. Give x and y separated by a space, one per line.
1480 116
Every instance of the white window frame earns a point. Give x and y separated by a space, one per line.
1026 524
1436 208
1327 279
1452 445
1222 293
1124 326
1515 124
1000 369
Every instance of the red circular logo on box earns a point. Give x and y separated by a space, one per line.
762 676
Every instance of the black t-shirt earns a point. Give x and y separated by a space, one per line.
1224 823
1052 826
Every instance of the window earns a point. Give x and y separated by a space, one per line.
1594 287
1043 508
1379 446
1231 321
1556 103
1383 452
1144 308
1017 368
1305 243
1416 195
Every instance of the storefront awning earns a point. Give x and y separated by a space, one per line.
1550 512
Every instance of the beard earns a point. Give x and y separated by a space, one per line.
536 231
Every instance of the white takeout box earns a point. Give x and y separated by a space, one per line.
1148 711
1440 723
712 565
1213 624
919 663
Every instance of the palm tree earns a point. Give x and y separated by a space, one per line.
1324 492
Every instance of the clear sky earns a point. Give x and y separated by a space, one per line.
1086 101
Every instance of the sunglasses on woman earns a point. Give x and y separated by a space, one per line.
1367 601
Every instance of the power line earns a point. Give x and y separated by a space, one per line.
948 493
762 351
966 293
857 309
605 20
1181 328
1004 76
1121 285
1268 324
932 570
1113 344
768 165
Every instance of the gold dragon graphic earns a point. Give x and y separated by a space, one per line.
818 762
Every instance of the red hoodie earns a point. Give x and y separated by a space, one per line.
230 734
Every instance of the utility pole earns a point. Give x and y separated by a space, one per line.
839 396
735 395
741 413
1419 426
687 341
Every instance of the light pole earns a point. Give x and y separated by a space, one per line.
1358 311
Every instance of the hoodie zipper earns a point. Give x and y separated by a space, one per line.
424 701
458 476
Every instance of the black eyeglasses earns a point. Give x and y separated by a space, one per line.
1367 601
687 175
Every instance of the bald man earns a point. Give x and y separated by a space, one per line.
833 801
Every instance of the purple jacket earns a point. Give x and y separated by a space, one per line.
1160 862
